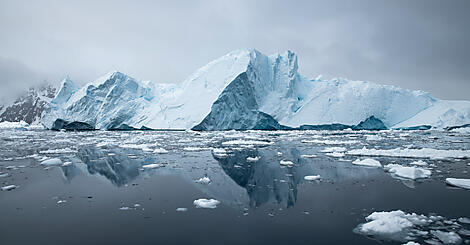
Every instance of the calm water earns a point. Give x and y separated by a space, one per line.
104 196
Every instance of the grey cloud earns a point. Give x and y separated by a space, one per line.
414 44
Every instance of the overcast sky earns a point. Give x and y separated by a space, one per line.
413 44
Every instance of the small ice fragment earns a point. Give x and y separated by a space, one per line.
462 183
152 166
286 163
160 151
204 180
312 177
52 162
61 201
279 153
181 209
408 172
369 162
419 163
9 187
308 156
65 164
252 159
136 205
125 208
464 220
206 203
3 175
411 243
447 237
335 154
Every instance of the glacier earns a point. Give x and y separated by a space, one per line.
246 89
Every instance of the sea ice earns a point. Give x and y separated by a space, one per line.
181 209
52 162
418 153
204 180
253 159
206 203
369 162
447 237
462 183
408 172
9 187
308 156
160 151
152 166
286 163
312 177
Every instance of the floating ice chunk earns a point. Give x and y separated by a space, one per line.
464 220
52 162
408 172
181 209
335 154
152 166
61 201
160 151
418 153
411 243
334 149
369 162
9 187
312 177
65 164
308 156
286 163
391 222
206 203
247 142
252 159
125 208
204 180
192 148
371 137
447 237
462 183
331 142
419 163
58 151
3 175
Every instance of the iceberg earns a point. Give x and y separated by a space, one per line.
245 90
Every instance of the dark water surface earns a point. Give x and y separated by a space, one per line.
261 202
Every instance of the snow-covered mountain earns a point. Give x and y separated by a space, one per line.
246 89
28 107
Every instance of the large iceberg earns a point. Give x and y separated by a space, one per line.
246 89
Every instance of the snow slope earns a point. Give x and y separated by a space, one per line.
246 89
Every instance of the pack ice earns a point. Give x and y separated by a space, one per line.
245 89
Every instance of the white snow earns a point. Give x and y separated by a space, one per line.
369 162
417 153
204 180
206 203
9 187
408 172
52 162
462 183
312 177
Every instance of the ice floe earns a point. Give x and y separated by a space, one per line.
247 142
408 172
308 156
369 162
152 166
312 177
462 183
204 180
9 187
252 159
52 162
181 209
331 142
286 163
160 151
400 226
58 151
417 153
206 203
